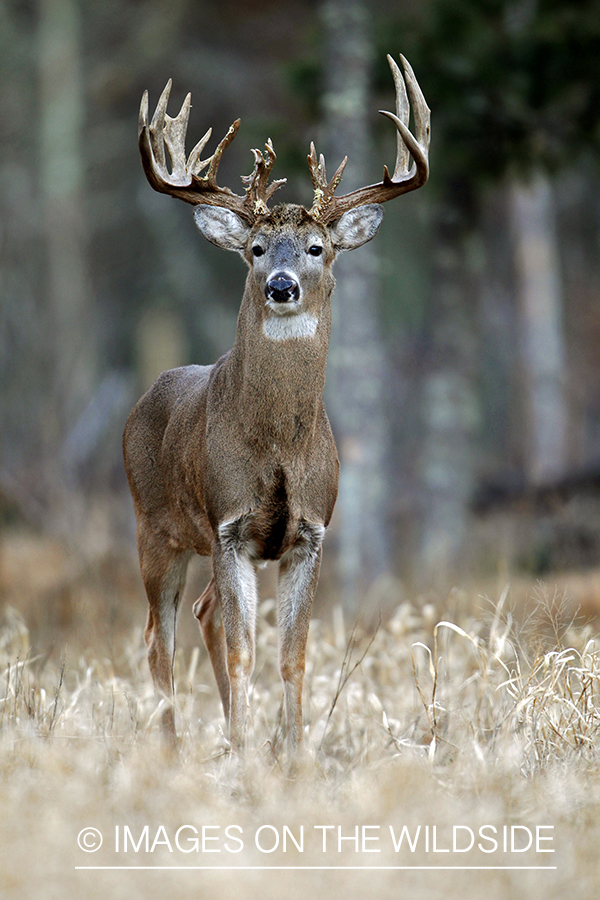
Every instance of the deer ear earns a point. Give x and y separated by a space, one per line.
222 227
356 227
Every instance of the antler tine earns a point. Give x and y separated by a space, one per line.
174 131
258 191
185 180
157 126
328 208
214 161
195 164
152 150
421 112
323 190
313 166
143 116
402 115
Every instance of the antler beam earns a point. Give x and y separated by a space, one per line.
327 208
185 180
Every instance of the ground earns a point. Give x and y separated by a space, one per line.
467 720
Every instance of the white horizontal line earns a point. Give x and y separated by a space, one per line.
336 868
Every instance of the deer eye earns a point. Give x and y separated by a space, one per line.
257 250
315 250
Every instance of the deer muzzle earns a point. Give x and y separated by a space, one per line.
282 288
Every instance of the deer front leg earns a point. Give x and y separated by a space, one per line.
163 572
298 576
235 580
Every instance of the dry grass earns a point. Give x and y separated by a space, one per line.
436 720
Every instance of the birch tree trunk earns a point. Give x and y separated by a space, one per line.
542 348
356 367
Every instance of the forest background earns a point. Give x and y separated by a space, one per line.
464 372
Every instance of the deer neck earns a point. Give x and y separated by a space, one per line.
277 373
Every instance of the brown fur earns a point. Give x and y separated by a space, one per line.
246 441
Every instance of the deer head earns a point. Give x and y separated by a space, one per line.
289 254
289 250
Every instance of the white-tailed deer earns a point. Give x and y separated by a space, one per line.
237 460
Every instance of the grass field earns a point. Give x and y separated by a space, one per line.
447 755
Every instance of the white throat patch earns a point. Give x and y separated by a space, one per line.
285 328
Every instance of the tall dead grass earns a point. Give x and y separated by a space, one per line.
433 720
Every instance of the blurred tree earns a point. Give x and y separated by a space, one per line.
515 90
22 373
515 83
538 284
357 371
72 345
450 403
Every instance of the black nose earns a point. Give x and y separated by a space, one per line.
282 289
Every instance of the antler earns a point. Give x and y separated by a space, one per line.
328 208
259 191
185 180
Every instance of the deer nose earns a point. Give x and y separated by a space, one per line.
282 288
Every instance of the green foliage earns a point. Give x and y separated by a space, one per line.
512 85
304 76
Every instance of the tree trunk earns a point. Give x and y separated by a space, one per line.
71 341
357 367
542 349
450 404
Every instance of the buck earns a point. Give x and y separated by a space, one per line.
237 460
